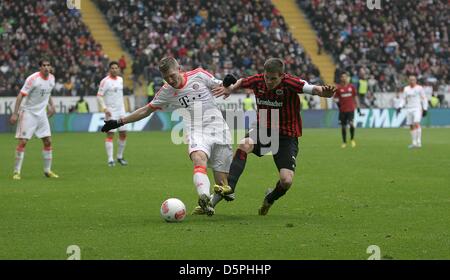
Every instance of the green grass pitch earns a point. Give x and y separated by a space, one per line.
342 201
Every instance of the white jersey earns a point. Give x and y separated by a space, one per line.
415 98
195 96
37 92
111 89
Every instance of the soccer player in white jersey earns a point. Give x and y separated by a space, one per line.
416 106
32 116
110 99
208 135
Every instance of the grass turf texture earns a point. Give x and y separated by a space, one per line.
342 201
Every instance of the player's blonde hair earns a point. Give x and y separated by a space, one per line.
168 63
274 65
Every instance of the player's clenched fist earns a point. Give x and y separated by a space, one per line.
111 124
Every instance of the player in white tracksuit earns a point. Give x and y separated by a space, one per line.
416 106
32 116
110 99
206 132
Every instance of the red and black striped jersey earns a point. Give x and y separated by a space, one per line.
283 98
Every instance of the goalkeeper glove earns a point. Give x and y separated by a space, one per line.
359 111
111 124
424 113
229 80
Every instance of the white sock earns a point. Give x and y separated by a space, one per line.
413 136
109 149
121 148
201 180
20 154
47 155
419 136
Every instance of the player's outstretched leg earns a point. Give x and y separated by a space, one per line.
282 186
201 181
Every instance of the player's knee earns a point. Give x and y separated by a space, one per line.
122 136
22 143
286 182
199 158
47 142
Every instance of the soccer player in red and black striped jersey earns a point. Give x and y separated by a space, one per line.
277 94
347 101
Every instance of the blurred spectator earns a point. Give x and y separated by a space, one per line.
434 101
122 64
248 103
82 106
397 102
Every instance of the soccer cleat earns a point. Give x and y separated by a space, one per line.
122 162
344 145
205 203
16 176
353 143
266 205
50 174
412 146
198 211
111 164
223 190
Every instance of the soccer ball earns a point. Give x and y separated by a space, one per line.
173 210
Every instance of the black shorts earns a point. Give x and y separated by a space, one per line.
346 117
286 154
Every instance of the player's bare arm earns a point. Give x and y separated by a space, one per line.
51 108
137 115
103 107
15 114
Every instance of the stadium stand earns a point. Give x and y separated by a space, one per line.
30 30
386 45
232 36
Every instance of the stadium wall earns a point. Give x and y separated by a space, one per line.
164 121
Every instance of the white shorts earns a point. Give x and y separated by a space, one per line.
413 116
30 124
219 156
116 116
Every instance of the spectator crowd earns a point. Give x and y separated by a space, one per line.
383 46
31 30
223 36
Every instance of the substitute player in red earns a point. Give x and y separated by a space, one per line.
276 93
347 101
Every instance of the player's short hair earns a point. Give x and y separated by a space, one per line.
113 63
42 60
345 73
274 65
168 63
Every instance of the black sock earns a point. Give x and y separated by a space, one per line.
352 132
344 134
276 193
237 167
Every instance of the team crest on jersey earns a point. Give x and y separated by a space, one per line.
196 86
279 92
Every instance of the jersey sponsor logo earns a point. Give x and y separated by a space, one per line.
269 103
346 94
279 92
